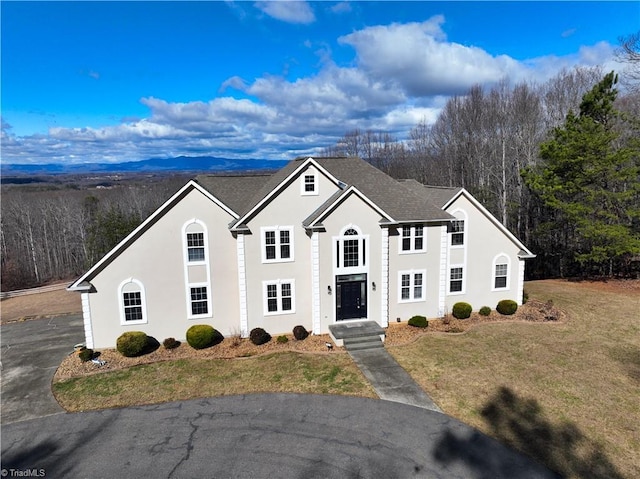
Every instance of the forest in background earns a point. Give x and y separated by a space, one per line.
557 163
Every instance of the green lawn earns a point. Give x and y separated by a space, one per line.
567 394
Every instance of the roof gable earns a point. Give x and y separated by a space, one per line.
524 253
78 285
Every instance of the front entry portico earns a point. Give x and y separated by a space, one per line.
351 296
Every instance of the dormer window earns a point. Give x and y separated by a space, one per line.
309 183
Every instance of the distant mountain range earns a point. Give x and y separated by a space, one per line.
179 164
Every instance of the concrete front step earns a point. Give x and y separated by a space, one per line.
362 343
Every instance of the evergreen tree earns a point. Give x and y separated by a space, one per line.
590 179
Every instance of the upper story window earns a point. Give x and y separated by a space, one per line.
133 309
351 249
194 234
413 239
309 182
277 244
195 246
456 231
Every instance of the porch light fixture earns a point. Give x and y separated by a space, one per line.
328 289
373 285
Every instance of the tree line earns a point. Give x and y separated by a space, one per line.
58 233
557 163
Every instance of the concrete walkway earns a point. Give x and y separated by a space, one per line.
361 339
390 381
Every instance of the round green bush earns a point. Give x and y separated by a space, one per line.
461 310
300 333
282 339
485 311
132 343
85 355
507 307
259 336
418 322
200 336
170 343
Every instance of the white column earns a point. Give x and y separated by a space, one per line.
242 285
520 281
86 315
384 287
315 282
442 287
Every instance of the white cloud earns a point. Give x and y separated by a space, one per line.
401 74
296 11
341 7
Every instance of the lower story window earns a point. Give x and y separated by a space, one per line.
199 303
500 280
412 285
132 306
455 280
279 297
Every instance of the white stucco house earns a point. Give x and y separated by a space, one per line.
320 241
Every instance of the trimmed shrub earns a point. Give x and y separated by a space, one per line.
282 339
132 343
85 355
300 333
525 296
200 336
461 310
170 343
485 311
259 336
507 307
418 322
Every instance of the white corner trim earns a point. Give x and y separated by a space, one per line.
242 285
315 282
520 281
444 258
384 287
86 316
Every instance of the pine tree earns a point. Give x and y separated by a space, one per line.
590 179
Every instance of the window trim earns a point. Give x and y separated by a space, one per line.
141 290
501 259
412 239
265 299
310 172
190 314
363 252
462 279
278 244
460 215
185 242
412 277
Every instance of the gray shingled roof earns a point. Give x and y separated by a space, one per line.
235 191
438 195
404 201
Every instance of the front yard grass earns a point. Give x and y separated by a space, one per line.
192 378
567 394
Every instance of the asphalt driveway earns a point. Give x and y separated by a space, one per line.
261 436
31 352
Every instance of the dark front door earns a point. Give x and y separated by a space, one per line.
351 299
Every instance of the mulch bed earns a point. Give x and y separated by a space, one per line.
236 348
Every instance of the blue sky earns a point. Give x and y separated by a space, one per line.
119 81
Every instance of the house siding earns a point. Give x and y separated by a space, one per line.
483 241
156 259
